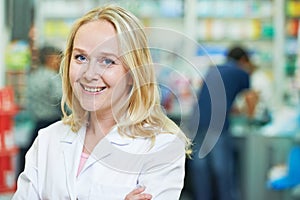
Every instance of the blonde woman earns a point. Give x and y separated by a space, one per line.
114 142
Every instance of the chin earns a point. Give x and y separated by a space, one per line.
90 107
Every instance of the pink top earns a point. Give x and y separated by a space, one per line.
83 159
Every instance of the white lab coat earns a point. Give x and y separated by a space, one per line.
116 166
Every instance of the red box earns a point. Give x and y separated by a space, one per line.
8 110
7 103
6 132
8 171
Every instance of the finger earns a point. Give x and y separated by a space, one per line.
139 197
145 197
134 192
138 190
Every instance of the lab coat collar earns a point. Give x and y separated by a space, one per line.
115 138
73 145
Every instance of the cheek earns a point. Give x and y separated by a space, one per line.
119 79
123 85
73 74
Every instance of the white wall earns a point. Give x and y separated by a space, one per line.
3 43
278 52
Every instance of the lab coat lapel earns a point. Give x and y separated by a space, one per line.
102 150
72 146
106 148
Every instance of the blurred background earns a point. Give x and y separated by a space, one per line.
186 38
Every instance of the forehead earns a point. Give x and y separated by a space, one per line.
96 36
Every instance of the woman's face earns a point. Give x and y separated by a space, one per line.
97 76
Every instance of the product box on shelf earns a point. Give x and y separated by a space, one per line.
8 170
8 150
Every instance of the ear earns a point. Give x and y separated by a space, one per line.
243 60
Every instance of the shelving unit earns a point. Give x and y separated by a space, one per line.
8 149
222 23
292 51
54 24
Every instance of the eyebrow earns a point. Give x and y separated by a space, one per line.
101 53
78 49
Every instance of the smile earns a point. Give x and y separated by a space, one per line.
93 89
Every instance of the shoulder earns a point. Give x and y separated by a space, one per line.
167 144
143 145
56 126
233 71
56 131
165 139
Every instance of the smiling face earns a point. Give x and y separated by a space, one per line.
98 78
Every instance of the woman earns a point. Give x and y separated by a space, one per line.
116 143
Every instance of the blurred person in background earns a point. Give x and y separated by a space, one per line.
211 171
44 92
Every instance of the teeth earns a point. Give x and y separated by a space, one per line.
93 89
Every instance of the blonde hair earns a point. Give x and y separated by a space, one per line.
144 116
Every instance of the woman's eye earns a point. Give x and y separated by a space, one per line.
108 61
81 58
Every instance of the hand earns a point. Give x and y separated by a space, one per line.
251 98
137 194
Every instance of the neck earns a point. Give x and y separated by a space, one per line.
99 125
97 129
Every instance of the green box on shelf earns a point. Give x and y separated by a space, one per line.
17 56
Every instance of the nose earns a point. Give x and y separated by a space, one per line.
93 71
